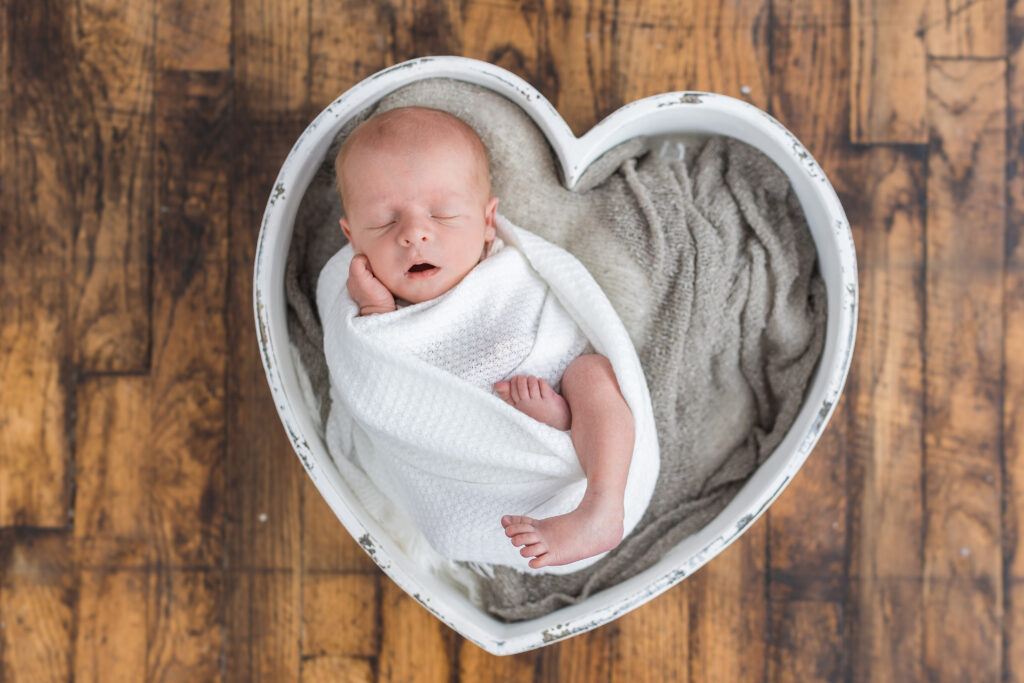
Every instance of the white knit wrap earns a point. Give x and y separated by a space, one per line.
416 412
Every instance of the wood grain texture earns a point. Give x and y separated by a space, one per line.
729 612
38 213
264 620
414 646
111 641
717 47
36 597
886 448
339 615
138 145
808 524
888 65
1013 362
581 659
337 669
652 643
966 28
807 642
575 68
963 375
269 95
112 51
348 42
113 520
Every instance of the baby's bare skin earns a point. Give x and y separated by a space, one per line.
601 427
419 216
535 397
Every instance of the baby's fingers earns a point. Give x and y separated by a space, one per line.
360 266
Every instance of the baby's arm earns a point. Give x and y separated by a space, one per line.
366 290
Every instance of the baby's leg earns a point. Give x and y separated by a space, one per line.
602 433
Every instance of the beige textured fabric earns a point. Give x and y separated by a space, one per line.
710 265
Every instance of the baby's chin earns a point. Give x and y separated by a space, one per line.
420 292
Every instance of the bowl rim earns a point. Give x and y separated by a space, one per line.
656 114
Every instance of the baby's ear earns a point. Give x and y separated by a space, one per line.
489 211
345 229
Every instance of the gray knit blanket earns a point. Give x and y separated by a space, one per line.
707 258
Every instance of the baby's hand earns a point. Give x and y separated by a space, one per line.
366 290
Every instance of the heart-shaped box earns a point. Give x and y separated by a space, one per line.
690 113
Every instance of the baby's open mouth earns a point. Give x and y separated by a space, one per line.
420 267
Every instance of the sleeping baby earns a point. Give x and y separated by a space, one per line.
426 250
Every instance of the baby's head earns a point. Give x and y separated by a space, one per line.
417 196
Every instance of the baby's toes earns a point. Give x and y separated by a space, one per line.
515 519
504 391
525 539
516 529
541 561
532 387
522 387
545 389
533 550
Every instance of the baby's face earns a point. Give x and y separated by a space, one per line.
422 216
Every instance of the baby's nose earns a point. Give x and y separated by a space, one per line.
414 231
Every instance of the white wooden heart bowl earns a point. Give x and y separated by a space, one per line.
669 113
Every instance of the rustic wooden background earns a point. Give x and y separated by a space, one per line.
154 522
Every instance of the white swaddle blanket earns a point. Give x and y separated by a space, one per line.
414 406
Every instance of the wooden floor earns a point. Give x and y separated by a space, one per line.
154 522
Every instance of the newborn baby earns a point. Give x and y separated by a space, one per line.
418 213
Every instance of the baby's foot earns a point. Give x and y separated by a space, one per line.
536 398
592 528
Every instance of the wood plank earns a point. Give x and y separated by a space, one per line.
36 594
652 643
414 645
271 58
113 481
964 347
886 393
263 474
476 664
1014 630
338 669
575 64
1013 372
190 352
348 42
183 626
583 658
806 642
264 612
37 212
808 523
502 33
113 185
965 28
730 612
339 615
111 625
887 72
809 62
193 35
711 46
270 52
